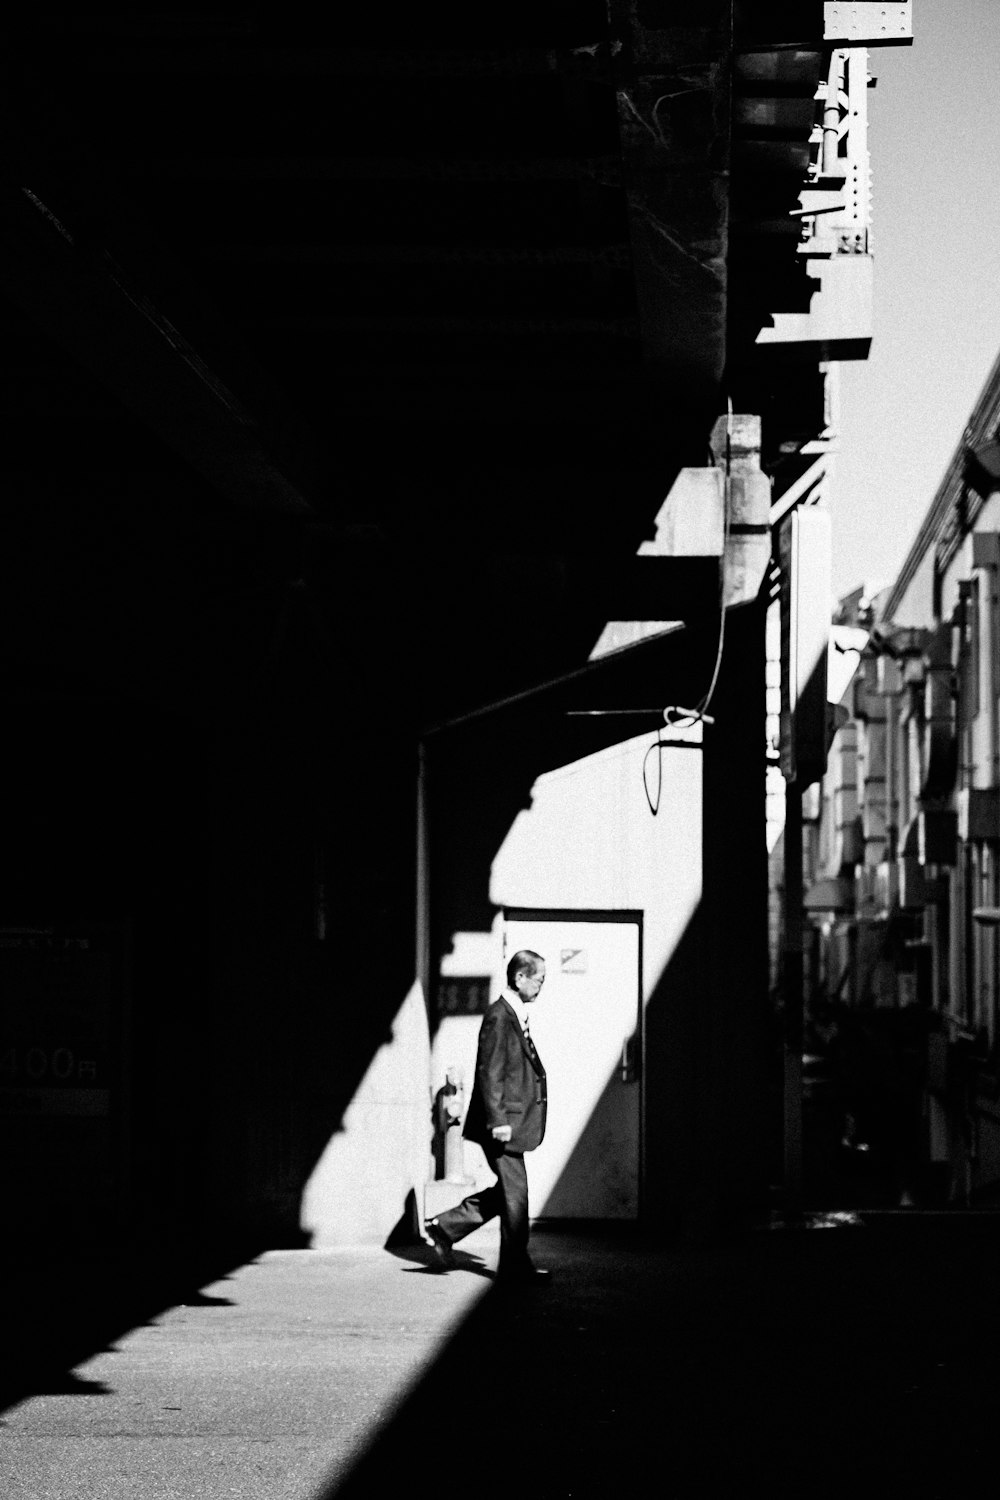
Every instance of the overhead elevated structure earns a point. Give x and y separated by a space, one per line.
362 375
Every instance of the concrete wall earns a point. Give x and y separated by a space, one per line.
588 840
359 1187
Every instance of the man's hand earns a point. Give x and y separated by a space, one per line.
501 1132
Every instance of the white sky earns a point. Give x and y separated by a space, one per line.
934 135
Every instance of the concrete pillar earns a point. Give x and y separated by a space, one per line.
735 1098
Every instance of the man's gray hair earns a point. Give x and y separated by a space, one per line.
524 961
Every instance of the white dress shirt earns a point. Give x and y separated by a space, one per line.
517 1005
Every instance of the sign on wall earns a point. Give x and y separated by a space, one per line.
466 996
62 1113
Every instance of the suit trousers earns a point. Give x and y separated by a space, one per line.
508 1197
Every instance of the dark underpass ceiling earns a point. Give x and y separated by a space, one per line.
451 284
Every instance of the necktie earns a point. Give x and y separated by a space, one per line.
527 1032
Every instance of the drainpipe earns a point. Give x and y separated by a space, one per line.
794 1018
831 117
422 931
890 821
986 557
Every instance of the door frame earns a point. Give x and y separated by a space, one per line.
600 914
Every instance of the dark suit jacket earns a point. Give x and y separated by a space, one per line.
510 1084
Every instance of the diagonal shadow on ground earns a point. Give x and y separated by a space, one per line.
802 1363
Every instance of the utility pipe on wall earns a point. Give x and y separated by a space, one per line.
422 924
987 653
986 557
794 974
831 117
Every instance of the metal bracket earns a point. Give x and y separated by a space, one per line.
868 23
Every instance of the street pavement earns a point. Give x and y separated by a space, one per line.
262 1383
852 1356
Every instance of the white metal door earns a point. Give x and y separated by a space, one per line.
586 1025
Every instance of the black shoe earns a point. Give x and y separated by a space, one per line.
440 1244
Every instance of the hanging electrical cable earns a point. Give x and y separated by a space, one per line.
657 745
674 714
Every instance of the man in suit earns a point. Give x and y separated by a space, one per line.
507 1118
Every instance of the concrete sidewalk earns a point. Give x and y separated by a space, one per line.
801 1362
263 1384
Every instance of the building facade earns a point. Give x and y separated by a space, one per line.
904 841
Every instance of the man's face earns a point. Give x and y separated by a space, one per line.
528 985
